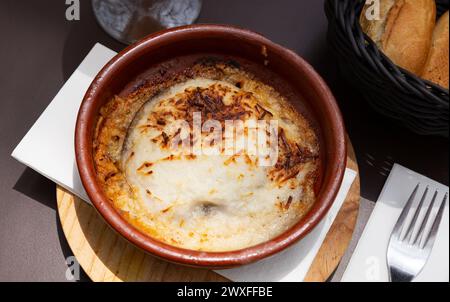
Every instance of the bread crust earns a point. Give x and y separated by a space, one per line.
375 28
404 31
437 66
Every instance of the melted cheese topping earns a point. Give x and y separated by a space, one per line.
211 201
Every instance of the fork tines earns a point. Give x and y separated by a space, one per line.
420 239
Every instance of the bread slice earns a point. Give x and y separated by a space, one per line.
437 67
404 31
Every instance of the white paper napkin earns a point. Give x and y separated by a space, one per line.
368 262
48 148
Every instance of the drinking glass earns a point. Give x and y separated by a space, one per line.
131 20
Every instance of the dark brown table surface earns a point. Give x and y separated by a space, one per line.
39 49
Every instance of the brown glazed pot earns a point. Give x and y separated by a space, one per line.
135 59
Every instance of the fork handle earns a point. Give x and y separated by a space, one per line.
396 275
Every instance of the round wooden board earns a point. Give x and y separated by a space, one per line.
106 256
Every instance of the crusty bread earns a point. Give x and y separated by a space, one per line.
374 28
437 66
404 31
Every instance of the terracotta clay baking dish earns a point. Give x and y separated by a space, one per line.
314 100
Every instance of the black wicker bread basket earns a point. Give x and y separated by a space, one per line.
392 91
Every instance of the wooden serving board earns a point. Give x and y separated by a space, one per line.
106 256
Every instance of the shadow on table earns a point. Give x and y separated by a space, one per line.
67 251
37 187
40 189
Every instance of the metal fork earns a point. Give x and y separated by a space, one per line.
408 254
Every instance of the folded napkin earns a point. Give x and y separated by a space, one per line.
48 148
368 262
